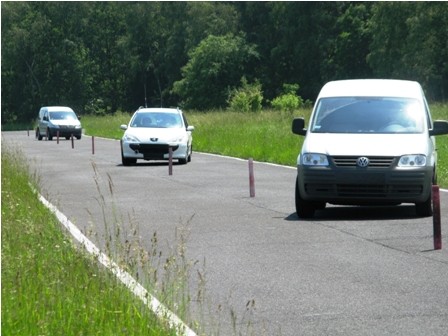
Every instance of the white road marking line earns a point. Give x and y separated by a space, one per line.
160 310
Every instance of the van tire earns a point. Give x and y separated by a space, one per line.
50 136
38 136
304 209
424 209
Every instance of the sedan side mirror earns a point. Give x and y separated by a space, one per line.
298 126
190 128
124 127
439 127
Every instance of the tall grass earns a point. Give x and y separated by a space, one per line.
440 111
107 126
48 286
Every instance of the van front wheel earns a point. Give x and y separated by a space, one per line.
424 209
38 136
304 209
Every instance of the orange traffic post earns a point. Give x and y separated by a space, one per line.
437 225
170 160
251 178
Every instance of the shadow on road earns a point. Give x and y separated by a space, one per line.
365 213
151 164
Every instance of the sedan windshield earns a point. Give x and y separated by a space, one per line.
368 115
157 120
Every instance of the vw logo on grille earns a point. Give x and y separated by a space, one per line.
154 139
362 162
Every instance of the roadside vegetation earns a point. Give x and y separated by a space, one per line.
49 287
264 136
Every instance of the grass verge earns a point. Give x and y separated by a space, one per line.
48 286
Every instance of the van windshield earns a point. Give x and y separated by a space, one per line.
62 115
368 115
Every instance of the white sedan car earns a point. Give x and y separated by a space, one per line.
152 132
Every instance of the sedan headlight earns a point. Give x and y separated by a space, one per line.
130 138
418 160
314 159
178 139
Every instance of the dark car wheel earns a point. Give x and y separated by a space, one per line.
304 209
424 209
38 136
127 161
191 153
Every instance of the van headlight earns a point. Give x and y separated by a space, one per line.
314 159
417 160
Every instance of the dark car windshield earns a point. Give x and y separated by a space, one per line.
368 115
157 120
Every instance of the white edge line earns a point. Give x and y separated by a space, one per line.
160 310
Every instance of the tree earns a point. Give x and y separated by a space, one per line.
409 41
215 67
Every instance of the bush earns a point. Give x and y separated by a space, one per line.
247 98
289 101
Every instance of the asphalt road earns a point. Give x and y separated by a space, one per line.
350 271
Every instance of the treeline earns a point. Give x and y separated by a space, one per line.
100 57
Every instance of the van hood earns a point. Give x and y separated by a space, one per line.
65 122
366 144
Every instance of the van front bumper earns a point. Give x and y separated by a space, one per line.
360 186
66 131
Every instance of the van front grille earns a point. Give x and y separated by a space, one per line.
374 161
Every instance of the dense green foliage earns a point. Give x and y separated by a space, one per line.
100 57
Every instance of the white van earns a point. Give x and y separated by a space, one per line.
54 119
369 142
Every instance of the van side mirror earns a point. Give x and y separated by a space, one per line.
439 127
298 126
45 118
79 117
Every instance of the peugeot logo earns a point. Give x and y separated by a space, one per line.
154 139
362 162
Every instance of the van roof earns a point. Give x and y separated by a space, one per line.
58 108
159 110
372 88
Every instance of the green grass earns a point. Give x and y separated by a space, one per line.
48 286
107 127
